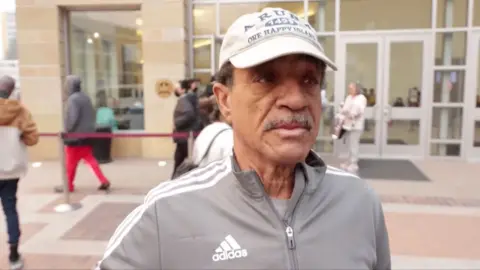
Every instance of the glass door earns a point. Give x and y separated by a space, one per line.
404 108
359 60
393 72
472 90
205 58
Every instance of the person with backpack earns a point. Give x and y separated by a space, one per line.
17 132
186 118
215 142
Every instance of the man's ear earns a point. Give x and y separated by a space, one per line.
223 95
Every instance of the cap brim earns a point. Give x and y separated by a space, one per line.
278 47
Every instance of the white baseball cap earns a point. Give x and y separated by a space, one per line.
256 38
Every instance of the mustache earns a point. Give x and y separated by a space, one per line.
305 121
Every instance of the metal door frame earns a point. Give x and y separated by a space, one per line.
383 41
472 83
371 150
421 113
213 57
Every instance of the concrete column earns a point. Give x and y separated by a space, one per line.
165 57
40 51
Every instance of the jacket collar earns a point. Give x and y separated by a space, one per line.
313 170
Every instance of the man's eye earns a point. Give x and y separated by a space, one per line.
263 79
311 81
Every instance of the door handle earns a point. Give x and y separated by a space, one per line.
387 113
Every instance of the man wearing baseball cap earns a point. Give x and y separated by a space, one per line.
274 204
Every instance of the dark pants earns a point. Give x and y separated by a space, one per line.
8 195
102 146
181 153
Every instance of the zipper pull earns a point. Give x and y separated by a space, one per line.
290 238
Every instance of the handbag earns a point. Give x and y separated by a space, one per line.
188 165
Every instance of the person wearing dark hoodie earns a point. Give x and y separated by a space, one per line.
17 131
79 118
186 118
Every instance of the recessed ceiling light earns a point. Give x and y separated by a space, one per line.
96 35
139 21
198 12
90 41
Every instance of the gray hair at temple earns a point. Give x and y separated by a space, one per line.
7 85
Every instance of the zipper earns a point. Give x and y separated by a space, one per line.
289 232
290 237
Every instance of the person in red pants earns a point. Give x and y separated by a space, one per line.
79 118
73 155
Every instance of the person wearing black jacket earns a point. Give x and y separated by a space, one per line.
186 118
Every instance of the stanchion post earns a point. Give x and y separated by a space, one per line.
190 145
63 164
66 206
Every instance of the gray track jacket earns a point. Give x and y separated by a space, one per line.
219 217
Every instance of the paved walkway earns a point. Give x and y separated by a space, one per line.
432 225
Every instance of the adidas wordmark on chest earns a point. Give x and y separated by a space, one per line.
229 249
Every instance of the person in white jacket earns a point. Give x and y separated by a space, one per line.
353 111
214 142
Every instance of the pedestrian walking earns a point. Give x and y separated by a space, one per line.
79 118
17 131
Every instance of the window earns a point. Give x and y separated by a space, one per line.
105 51
230 12
383 15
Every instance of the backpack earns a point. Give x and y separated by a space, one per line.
188 164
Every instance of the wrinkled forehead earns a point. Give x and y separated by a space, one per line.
294 61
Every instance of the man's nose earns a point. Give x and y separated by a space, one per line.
292 95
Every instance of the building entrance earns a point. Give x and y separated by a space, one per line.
394 70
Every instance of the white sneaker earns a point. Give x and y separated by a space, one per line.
334 136
17 265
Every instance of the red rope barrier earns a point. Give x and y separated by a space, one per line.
116 135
